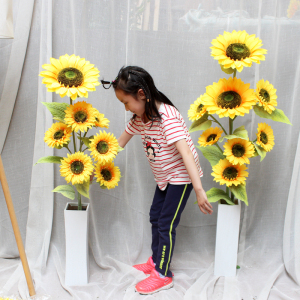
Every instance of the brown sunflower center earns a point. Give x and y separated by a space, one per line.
77 167
102 147
80 116
106 174
264 137
70 77
237 51
211 137
199 108
265 95
229 99
230 173
58 134
238 150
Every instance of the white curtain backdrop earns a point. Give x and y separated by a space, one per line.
171 40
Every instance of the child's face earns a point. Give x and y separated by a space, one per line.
136 106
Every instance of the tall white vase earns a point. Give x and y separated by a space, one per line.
76 231
227 239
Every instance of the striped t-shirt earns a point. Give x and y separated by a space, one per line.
165 160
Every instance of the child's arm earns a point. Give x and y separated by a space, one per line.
189 162
124 139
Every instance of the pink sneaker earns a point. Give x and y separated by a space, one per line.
147 267
154 283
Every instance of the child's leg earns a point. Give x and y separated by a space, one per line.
155 210
175 201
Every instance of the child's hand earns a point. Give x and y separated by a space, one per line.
203 203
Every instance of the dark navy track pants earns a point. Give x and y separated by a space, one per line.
165 215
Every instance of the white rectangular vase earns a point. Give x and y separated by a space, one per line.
227 239
76 231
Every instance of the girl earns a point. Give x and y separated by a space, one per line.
173 160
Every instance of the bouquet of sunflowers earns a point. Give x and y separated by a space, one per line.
232 98
74 77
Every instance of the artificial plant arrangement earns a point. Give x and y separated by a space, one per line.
74 77
232 98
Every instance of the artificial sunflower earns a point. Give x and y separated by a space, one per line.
237 50
210 136
70 75
58 135
107 174
293 7
238 151
265 137
229 98
104 147
76 168
266 95
197 110
225 172
80 116
101 121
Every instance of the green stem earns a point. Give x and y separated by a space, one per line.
80 143
216 144
232 197
218 123
234 73
79 202
230 125
85 149
73 133
68 148
227 191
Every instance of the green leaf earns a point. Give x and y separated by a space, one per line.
240 133
65 190
277 115
57 110
239 192
214 195
83 188
212 153
201 124
120 149
261 151
103 187
238 267
49 159
59 119
85 140
227 71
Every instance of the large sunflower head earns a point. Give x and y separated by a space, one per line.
237 50
238 151
229 98
104 147
266 95
80 116
225 172
58 135
101 121
210 136
197 110
76 168
70 75
107 174
265 137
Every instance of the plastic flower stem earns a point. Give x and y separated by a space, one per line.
68 149
80 142
219 124
254 140
79 202
218 147
230 125
84 149
234 73
73 133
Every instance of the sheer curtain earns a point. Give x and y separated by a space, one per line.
171 40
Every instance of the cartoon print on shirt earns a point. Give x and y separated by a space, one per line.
150 152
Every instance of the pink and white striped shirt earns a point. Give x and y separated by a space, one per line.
165 160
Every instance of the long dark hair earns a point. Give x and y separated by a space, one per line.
132 78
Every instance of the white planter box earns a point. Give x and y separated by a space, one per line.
227 239
76 231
